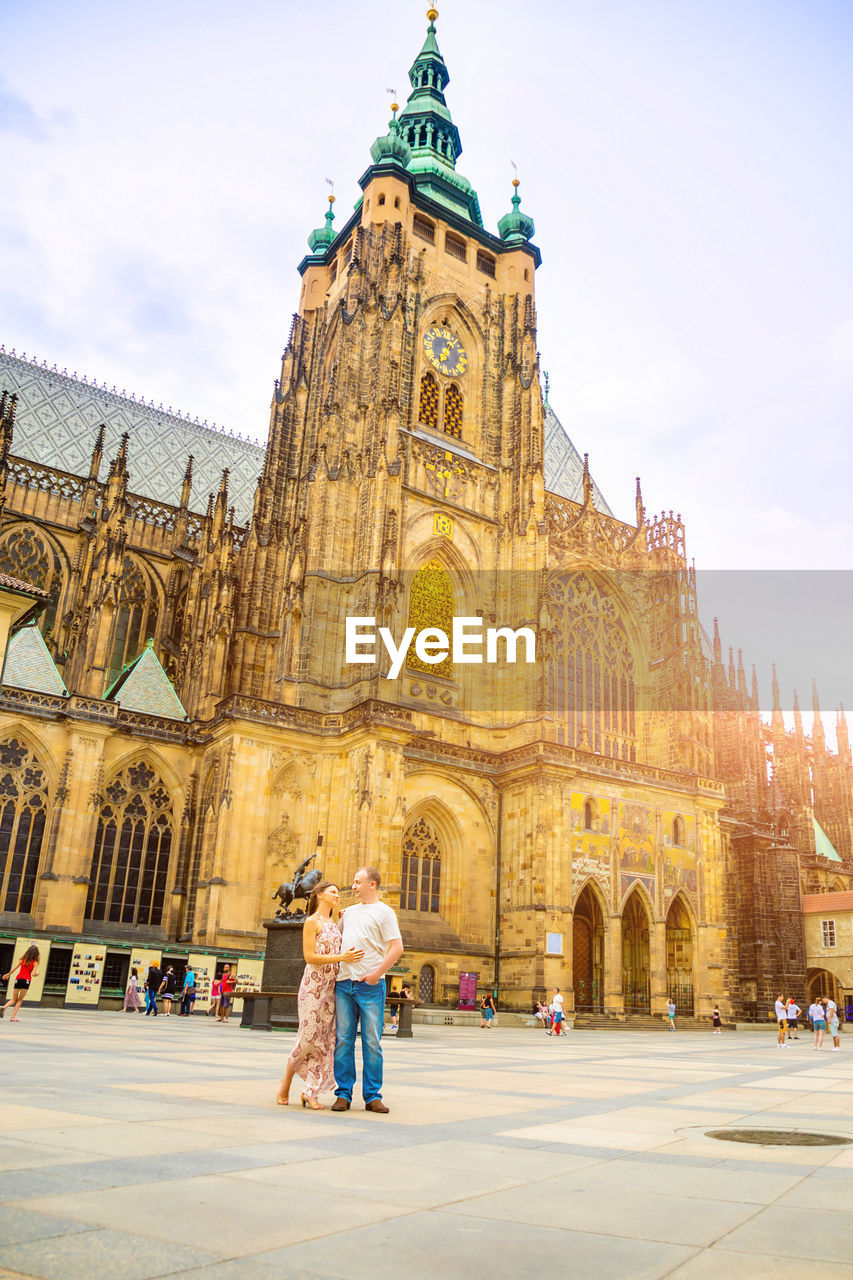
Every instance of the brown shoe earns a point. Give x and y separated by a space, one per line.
341 1104
378 1106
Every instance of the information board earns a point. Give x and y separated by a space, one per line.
33 996
249 973
87 970
467 991
141 960
204 967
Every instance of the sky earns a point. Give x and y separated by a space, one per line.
688 166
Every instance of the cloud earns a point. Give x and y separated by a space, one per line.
18 117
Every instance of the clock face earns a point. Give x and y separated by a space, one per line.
445 352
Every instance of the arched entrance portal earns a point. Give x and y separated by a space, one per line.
588 952
636 985
820 983
679 958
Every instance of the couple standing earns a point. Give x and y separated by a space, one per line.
343 985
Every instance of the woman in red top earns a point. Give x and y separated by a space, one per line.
226 994
26 969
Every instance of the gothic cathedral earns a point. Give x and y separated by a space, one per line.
184 722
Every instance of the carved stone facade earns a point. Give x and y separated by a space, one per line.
594 820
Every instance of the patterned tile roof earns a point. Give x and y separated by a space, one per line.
57 421
144 686
564 465
28 664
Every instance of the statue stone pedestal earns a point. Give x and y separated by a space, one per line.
274 1007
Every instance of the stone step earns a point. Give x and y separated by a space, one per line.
636 1022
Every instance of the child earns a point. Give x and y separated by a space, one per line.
26 969
717 1021
670 1013
215 991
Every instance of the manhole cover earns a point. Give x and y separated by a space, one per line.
779 1137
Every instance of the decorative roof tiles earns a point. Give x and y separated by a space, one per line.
144 686
57 420
28 664
564 465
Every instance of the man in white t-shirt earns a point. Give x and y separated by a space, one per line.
781 1011
371 926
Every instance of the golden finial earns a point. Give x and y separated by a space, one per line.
515 182
432 14
395 106
331 199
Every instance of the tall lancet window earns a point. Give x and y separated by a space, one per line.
453 411
428 407
431 604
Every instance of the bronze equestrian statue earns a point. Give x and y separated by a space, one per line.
302 886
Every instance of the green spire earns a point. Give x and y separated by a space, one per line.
320 239
427 126
392 147
516 227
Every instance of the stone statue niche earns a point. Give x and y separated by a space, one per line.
299 888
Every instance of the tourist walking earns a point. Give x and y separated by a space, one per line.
26 969
717 1021
817 1017
831 1015
556 1011
153 980
168 990
793 1011
188 993
313 1055
132 998
226 994
369 926
488 1011
670 1013
781 1010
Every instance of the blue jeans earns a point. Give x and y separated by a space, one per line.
356 1001
150 1001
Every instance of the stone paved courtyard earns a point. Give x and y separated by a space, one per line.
134 1148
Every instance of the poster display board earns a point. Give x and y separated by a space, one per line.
87 970
33 996
204 967
467 991
248 978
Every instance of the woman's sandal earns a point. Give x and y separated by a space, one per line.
311 1103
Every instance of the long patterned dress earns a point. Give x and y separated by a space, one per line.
313 1055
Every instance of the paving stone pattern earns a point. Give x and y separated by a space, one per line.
132 1148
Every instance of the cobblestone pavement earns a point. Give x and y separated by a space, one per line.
132 1148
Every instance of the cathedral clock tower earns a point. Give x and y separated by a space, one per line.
404 472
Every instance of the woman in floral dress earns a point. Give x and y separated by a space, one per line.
313 1055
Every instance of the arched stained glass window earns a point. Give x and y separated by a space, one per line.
25 555
135 619
453 411
130 861
421 872
431 604
23 817
589 669
428 405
